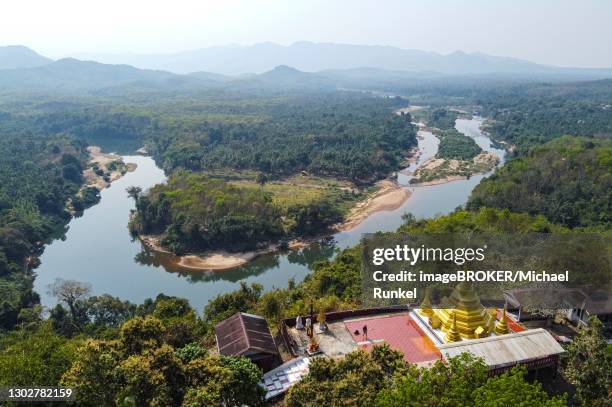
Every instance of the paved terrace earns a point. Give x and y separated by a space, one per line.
344 335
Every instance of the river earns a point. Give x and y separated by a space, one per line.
97 248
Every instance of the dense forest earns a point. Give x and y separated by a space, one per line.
457 146
453 144
156 353
531 114
114 352
568 180
442 118
37 178
194 212
337 135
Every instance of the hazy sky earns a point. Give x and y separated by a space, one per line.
559 32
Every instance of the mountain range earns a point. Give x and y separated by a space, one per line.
270 66
314 57
18 56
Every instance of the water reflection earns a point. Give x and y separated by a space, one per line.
97 248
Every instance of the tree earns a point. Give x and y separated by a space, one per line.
139 334
261 179
191 351
172 307
464 381
93 373
106 310
39 357
61 321
225 381
511 389
207 381
588 366
154 378
140 369
354 380
444 384
227 304
408 219
243 387
72 293
272 304
134 192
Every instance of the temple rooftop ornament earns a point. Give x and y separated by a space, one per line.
452 335
501 328
426 309
463 305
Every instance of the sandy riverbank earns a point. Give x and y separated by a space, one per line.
440 181
409 109
218 260
389 196
103 161
448 169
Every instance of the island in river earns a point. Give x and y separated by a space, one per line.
104 168
98 249
321 208
359 205
212 207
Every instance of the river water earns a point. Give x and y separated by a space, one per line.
97 248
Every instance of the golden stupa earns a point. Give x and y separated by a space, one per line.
501 328
426 308
452 334
462 312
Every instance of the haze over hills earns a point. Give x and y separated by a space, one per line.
70 74
313 57
302 65
18 56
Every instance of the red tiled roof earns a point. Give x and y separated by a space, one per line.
400 332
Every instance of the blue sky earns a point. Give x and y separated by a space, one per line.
561 32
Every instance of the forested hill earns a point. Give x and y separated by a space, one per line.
341 134
17 56
568 180
530 114
194 212
37 176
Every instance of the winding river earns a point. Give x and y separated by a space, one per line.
98 249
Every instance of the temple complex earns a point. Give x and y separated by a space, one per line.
462 316
425 334
461 312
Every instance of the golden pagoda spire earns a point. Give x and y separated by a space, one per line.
501 328
452 335
472 318
426 308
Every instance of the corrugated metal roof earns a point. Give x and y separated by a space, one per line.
242 333
503 350
550 297
279 380
596 302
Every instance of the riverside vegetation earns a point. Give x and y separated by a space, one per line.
156 353
311 157
458 155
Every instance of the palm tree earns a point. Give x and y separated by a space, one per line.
261 179
134 192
